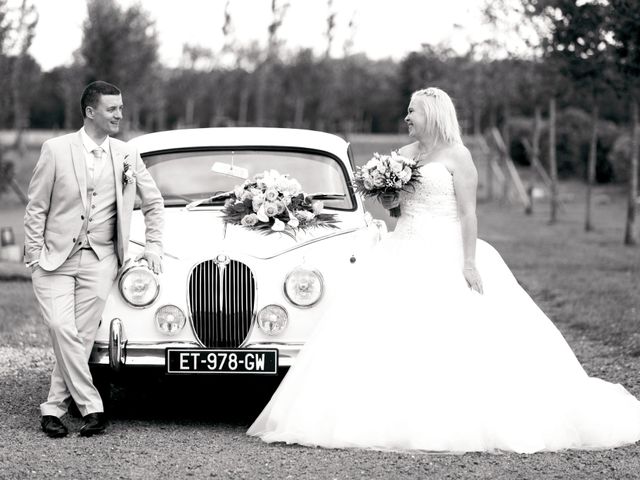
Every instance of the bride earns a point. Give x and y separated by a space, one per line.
439 348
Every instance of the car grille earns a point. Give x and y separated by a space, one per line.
221 301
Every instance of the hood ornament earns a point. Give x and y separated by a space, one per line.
221 262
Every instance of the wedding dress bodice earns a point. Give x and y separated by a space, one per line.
434 195
431 207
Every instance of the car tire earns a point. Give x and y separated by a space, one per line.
102 380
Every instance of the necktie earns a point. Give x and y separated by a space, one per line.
97 159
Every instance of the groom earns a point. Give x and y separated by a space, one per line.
76 226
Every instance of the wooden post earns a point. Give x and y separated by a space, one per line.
489 174
553 165
506 130
630 237
18 191
505 185
487 155
535 163
512 171
529 208
189 112
591 167
477 116
535 138
498 173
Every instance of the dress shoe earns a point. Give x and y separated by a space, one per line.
94 423
53 426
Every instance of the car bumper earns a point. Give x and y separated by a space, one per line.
119 352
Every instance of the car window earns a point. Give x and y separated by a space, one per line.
186 176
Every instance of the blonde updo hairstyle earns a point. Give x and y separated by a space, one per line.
441 119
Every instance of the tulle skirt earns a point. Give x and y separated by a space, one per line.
415 360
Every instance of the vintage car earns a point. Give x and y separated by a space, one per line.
231 299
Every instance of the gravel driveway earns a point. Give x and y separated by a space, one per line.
163 430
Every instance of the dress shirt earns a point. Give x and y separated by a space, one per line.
89 147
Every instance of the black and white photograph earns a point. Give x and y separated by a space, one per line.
319 239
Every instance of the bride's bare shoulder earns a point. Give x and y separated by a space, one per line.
460 153
409 151
460 159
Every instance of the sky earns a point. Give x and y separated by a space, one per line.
384 28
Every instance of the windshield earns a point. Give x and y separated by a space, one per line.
187 176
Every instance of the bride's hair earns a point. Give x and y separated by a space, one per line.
442 120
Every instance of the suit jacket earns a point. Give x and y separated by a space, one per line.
57 201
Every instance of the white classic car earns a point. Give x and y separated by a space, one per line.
232 299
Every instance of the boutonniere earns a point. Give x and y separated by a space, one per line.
128 175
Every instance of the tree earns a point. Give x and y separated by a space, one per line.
5 77
347 47
263 73
625 26
24 33
301 80
579 39
331 26
18 75
220 77
6 167
71 86
121 47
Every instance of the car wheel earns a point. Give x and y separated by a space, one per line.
103 382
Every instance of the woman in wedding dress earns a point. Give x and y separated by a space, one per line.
439 348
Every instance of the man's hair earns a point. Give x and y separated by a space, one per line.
91 94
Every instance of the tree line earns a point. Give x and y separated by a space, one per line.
569 100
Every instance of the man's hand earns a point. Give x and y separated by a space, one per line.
154 262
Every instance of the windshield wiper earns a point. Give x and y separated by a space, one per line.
327 196
224 195
176 196
216 197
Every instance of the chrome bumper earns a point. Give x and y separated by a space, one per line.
119 352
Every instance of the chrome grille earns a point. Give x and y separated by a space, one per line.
221 300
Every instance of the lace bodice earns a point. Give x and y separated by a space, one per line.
434 195
430 214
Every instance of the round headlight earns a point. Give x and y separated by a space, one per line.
273 319
139 286
303 286
170 319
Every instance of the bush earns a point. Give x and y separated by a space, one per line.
519 128
573 135
619 157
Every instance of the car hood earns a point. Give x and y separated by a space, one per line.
201 232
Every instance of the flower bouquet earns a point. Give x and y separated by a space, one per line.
386 176
271 202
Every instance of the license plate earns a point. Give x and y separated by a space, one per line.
202 360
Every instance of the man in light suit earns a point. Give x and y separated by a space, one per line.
77 224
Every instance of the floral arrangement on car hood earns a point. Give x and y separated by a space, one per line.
271 202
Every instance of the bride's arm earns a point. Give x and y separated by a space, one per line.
465 181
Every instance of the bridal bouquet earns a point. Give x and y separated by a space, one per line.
271 202
386 176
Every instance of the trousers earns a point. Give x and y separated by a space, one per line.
72 299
